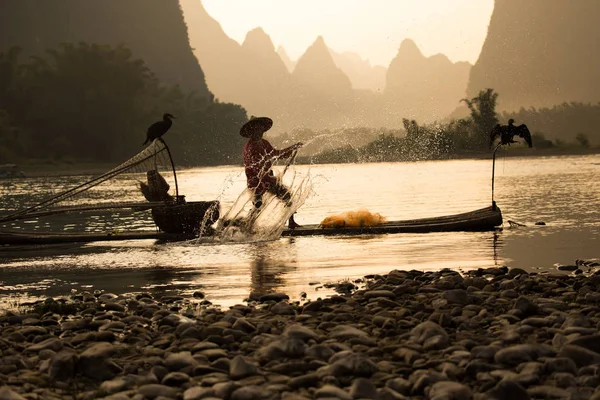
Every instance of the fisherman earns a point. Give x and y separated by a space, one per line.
157 188
259 155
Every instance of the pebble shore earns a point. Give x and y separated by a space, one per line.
487 334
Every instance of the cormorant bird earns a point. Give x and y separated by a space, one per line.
157 129
508 132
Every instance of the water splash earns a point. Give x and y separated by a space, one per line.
242 224
325 140
326 135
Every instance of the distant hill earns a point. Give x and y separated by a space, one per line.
286 59
267 88
153 29
254 75
322 93
218 54
425 88
316 70
325 89
361 73
540 53
251 74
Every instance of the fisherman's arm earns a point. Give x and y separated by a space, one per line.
284 153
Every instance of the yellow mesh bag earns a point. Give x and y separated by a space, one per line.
358 218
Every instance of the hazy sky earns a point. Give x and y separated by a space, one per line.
372 28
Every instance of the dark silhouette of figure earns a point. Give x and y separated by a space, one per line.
259 155
508 132
157 188
157 129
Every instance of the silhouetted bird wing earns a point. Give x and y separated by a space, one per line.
524 133
497 131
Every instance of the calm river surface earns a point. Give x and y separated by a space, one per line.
563 191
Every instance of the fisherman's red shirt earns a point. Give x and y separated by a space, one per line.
258 160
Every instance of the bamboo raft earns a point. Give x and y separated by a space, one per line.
484 219
180 220
33 238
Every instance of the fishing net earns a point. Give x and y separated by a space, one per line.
358 218
147 179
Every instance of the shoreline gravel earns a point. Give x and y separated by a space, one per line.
488 334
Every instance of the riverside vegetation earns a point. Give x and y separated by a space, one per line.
92 103
487 334
463 137
86 103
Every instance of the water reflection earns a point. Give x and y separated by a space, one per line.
267 270
540 247
496 244
560 191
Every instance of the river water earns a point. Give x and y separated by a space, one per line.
562 191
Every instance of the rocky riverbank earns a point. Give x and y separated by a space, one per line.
489 334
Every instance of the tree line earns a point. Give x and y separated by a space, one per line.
573 122
93 103
468 136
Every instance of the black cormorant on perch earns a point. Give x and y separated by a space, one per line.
508 132
157 129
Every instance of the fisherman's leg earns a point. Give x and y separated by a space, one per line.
254 211
293 224
282 193
257 200
285 195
